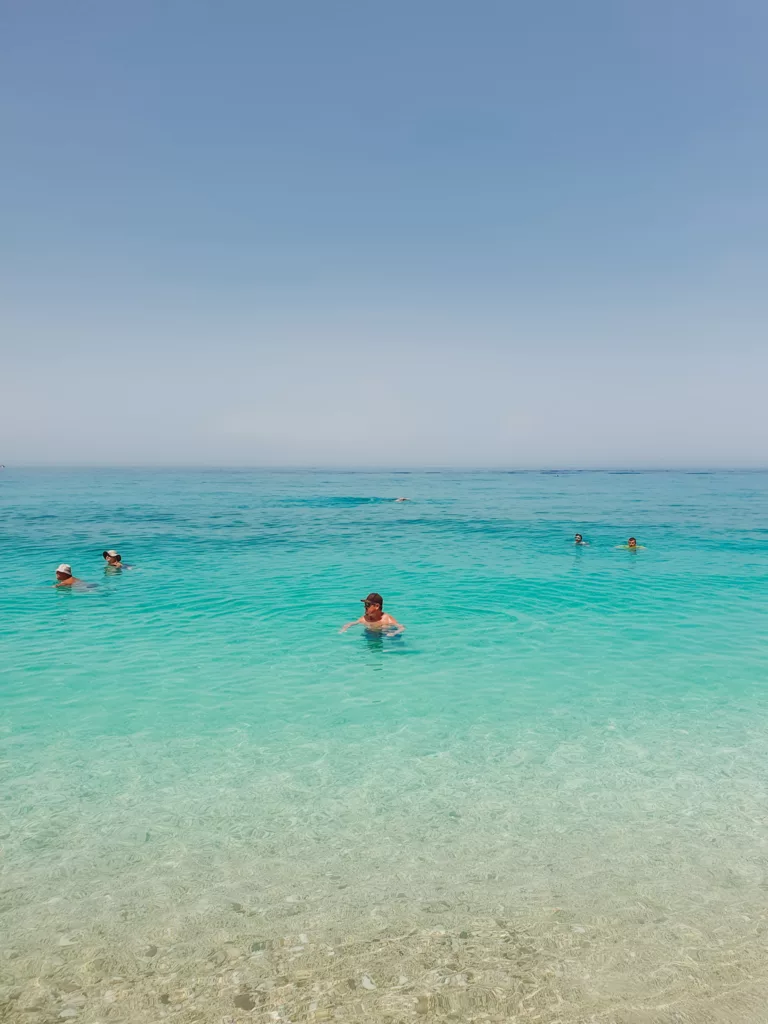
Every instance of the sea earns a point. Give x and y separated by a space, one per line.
546 800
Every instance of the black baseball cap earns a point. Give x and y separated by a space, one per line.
373 599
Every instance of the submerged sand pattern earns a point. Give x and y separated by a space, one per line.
558 881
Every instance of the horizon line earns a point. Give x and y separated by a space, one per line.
253 467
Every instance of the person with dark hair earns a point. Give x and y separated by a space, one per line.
631 545
375 618
578 539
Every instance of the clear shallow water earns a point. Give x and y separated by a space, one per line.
547 801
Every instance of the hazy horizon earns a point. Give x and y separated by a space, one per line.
382 470
342 237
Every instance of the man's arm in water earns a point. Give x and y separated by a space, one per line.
390 620
349 625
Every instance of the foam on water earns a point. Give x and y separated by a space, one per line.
547 801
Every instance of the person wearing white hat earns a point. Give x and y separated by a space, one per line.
64 576
112 559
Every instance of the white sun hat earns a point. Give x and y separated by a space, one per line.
66 569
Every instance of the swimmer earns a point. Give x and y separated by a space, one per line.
375 618
65 577
631 545
578 539
113 560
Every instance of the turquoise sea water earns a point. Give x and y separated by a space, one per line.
547 801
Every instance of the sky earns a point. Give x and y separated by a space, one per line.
488 234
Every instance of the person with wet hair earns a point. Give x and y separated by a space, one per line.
631 545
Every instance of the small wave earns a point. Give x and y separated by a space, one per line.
334 502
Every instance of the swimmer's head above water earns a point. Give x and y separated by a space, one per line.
64 577
631 545
578 539
375 616
112 558
374 605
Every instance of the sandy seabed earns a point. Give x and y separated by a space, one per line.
590 884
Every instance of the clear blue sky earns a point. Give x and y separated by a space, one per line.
424 233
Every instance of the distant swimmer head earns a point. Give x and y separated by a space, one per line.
112 557
64 572
374 604
631 543
578 539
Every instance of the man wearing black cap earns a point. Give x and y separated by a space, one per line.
374 618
